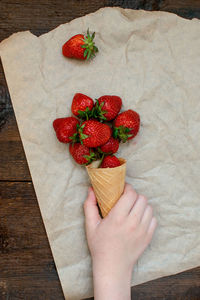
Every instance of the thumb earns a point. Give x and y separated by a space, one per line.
91 210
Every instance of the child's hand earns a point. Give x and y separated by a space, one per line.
117 241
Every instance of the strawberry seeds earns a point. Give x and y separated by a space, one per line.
96 131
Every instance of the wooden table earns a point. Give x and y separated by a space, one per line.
27 269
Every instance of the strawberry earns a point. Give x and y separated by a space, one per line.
110 162
94 134
66 129
111 146
107 107
80 47
81 154
126 125
82 105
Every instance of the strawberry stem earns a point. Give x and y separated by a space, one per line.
85 114
90 158
89 45
98 113
101 160
121 133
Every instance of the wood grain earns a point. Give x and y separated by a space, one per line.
27 269
13 164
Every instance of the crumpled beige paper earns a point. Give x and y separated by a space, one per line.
151 60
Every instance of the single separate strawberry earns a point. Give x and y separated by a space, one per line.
82 106
126 125
110 162
111 146
81 154
94 134
80 47
107 107
66 129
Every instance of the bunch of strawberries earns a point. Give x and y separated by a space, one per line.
96 129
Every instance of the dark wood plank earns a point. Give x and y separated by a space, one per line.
13 164
183 286
27 269
187 8
42 16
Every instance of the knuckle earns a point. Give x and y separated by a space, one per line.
143 198
118 221
128 188
133 226
150 209
132 194
141 231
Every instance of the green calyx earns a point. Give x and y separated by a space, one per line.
100 151
103 153
101 160
75 137
86 114
90 158
82 136
121 133
89 45
97 112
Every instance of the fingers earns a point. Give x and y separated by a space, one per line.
152 228
91 211
138 209
126 201
147 217
141 216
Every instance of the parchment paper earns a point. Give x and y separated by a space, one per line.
152 61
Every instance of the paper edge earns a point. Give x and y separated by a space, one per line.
116 8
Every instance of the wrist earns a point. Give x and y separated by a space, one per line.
111 280
108 264
108 267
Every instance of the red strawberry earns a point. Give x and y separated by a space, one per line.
82 105
126 125
81 154
111 146
66 129
108 107
80 47
110 162
94 134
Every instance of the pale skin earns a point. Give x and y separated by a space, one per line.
117 241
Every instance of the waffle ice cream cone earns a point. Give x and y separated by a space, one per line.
108 184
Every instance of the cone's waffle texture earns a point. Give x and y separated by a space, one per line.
108 184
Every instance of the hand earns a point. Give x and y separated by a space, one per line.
117 241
